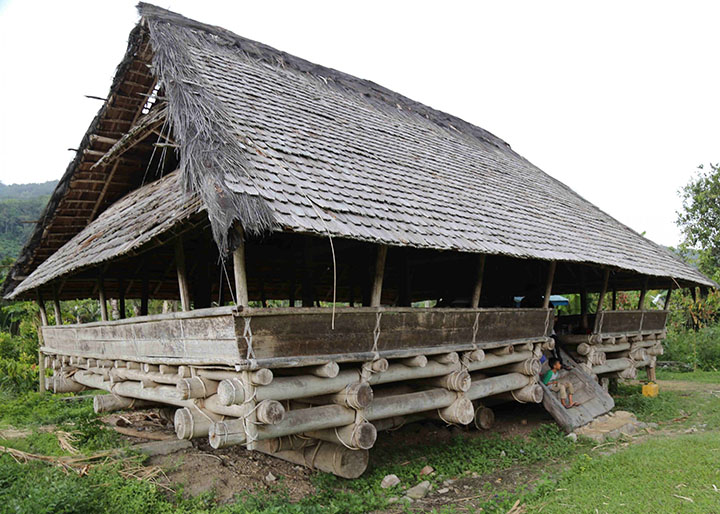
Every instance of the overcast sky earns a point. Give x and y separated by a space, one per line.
619 100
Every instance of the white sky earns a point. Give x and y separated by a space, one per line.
619 100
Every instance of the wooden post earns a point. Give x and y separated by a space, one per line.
583 309
145 291
601 299
475 302
405 295
182 278
291 292
603 291
378 279
548 284
307 292
667 298
643 293
41 306
614 299
583 301
101 299
56 307
121 298
41 357
239 270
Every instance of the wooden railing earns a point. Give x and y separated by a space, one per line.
620 322
280 337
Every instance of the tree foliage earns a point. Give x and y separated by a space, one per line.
20 205
700 220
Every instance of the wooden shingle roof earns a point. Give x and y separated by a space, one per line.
278 143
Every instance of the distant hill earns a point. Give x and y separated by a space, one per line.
20 203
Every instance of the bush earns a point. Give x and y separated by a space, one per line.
18 360
700 349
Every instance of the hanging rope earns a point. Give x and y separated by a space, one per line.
248 336
227 277
476 327
376 335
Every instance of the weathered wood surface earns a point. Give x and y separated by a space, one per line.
595 400
623 322
294 337
309 332
202 336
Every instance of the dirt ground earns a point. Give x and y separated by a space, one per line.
232 470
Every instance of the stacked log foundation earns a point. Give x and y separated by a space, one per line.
324 416
616 356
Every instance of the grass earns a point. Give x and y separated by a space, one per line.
684 465
668 474
34 409
703 377
39 487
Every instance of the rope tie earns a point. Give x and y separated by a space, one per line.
476 326
205 392
366 371
516 398
376 335
448 423
203 413
227 277
547 322
311 465
248 336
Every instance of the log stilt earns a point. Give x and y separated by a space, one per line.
357 436
612 365
111 403
527 367
456 381
327 457
484 387
196 387
191 422
63 384
418 361
484 418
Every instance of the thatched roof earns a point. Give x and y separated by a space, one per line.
278 143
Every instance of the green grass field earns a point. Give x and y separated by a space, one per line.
673 470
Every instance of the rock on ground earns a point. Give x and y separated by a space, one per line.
419 491
389 481
611 426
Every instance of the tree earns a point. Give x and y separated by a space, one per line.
700 220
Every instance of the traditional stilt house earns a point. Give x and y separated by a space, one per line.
345 259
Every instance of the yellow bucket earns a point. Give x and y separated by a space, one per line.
650 390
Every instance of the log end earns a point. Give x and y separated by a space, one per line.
484 418
270 412
230 392
364 436
183 422
379 365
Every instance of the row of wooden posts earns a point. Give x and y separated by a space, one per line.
241 290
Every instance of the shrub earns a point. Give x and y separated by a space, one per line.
18 360
700 349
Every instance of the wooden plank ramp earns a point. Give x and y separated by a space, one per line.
594 400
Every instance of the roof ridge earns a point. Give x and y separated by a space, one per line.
370 90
